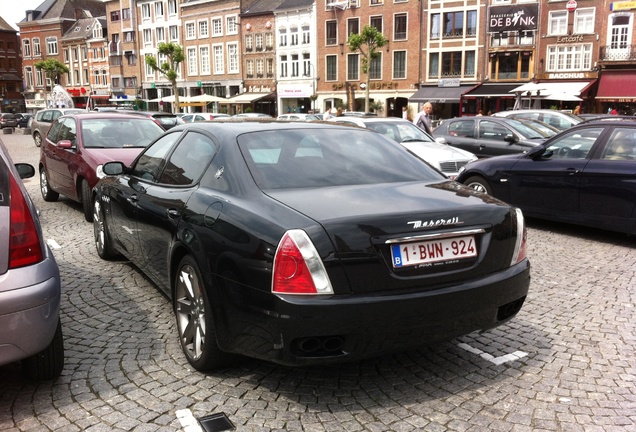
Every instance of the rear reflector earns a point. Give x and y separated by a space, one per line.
24 242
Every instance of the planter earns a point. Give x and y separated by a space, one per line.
7 130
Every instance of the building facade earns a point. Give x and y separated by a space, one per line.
11 99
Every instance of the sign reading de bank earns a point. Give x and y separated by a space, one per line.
513 18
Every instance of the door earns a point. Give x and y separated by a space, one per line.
61 163
461 134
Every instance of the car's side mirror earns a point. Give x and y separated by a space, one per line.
113 168
65 144
510 138
440 140
25 170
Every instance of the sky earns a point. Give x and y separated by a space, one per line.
13 11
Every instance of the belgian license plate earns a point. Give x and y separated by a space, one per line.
433 251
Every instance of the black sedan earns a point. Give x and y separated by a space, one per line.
585 175
488 136
304 243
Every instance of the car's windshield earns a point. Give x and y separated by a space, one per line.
523 129
118 133
403 131
299 158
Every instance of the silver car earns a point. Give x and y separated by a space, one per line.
30 284
44 118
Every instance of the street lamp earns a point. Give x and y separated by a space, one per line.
312 73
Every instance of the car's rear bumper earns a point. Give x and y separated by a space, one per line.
303 330
29 313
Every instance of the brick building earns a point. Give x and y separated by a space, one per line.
11 99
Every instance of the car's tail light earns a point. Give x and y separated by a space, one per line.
24 241
520 244
298 268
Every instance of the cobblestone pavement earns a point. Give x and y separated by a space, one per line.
565 363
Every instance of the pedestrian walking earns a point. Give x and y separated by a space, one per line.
423 118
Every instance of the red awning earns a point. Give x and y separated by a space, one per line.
617 86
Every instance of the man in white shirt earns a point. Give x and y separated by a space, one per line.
423 118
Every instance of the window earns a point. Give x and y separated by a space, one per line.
376 2
232 27
115 82
563 58
131 59
399 64
161 34
584 20
283 66
96 77
619 36
259 68
217 27
306 35
36 47
471 23
219 64
189 160
39 80
269 64
282 37
26 48
375 68
115 16
232 58
159 9
294 65
125 14
399 26
259 42
269 41
353 26
249 43
331 64
172 7
191 56
249 68
451 64
173 32
86 75
353 67
435 26
105 77
331 32
293 36
148 166
145 11
558 23
28 76
130 82
453 24
376 21
51 45
85 52
204 54
306 65
204 31
98 32
469 64
147 38
190 31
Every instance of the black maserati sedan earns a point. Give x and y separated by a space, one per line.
584 175
303 243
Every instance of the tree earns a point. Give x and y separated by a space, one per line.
174 57
52 68
367 43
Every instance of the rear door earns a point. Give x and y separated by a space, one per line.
62 163
461 134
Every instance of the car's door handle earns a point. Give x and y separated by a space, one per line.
571 171
132 198
173 214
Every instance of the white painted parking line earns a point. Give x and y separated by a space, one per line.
496 360
53 244
187 420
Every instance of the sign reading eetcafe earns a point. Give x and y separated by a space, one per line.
513 18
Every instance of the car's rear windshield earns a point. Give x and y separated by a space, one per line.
119 132
300 158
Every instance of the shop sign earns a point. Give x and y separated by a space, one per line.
35 103
622 5
448 82
294 91
513 18
570 39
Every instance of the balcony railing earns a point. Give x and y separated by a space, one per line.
623 53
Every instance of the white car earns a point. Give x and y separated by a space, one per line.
194 117
445 158
300 116
558 119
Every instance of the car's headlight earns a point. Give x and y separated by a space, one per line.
99 172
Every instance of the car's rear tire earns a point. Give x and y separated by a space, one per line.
479 184
37 138
47 364
101 234
48 194
87 203
195 323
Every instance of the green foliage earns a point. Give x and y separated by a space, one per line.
52 68
174 57
367 43
376 106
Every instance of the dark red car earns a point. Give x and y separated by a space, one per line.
77 145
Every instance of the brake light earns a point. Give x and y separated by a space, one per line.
24 241
522 235
298 268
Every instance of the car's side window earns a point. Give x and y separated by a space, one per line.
149 164
462 128
189 160
492 130
621 145
55 114
47 116
574 144
68 131
54 132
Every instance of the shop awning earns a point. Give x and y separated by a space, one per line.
492 90
617 86
246 98
556 90
439 94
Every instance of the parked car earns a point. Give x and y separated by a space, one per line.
163 119
300 116
189 118
252 115
443 157
304 242
8 120
23 120
30 284
488 136
583 176
43 119
77 145
543 128
559 119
